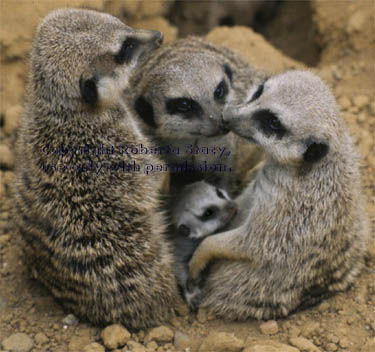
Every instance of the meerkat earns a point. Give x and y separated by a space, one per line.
199 210
306 231
179 95
94 232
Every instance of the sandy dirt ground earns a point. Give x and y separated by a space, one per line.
341 46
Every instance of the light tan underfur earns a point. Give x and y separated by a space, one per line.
304 229
95 240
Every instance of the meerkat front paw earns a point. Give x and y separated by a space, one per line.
193 297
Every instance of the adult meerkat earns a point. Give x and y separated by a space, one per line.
199 210
306 231
179 95
95 237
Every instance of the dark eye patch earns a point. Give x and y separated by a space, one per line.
221 92
269 123
209 213
185 107
127 50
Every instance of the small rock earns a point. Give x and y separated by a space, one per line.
135 347
323 307
181 341
4 239
115 336
202 315
360 101
70 320
160 334
77 343
268 346
6 157
182 310
11 120
331 347
344 342
221 342
333 338
356 22
94 347
344 102
303 344
18 342
152 346
270 327
310 328
40 338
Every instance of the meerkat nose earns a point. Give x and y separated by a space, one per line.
158 37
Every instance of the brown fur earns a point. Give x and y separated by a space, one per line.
304 231
95 240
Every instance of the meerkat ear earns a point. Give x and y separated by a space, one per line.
184 230
145 111
315 151
89 91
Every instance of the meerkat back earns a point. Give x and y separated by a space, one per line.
93 231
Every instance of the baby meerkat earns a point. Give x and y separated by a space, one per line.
306 232
94 232
179 95
199 210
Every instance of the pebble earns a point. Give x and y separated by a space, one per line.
181 341
268 346
135 347
221 342
18 342
356 22
270 327
160 334
152 346
70 320
115 336
323 307
11 120
303 344
310 329
331 347
361 101
40 338
344 102
4 239
6 157
94 347
202 315
77 343
344 342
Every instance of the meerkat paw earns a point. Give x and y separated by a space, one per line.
193 298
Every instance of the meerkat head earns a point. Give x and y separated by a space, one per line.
85 57
293 116
182 90
202 210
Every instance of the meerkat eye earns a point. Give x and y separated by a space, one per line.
269 123
208 213
221 91
219 193
274 123
258 93
183 106
126 51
